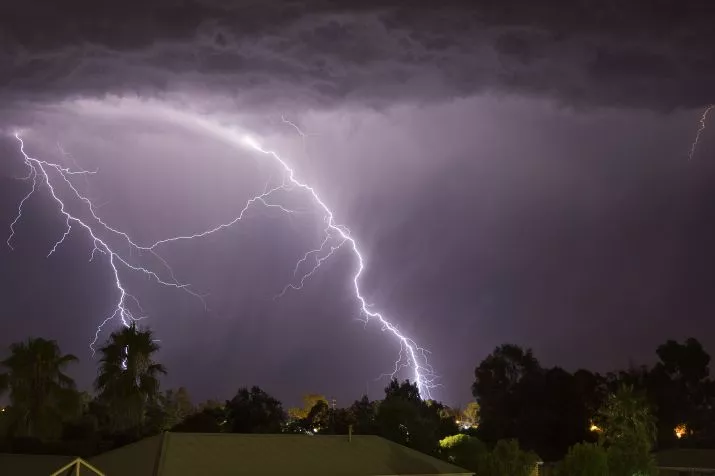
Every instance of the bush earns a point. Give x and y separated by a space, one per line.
584 459
508 459
463 450
631 457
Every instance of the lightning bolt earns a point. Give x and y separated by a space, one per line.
40 172
411 355
127 307
701 128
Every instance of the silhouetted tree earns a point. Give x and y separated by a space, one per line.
498 385
174 406
42 396
405 391
562 414
319 416
309 401
210 417
405 418
254 411
364 413
681 391
341 419
86 425
323 419
688 362
546 410
205 421
128 378
522 409
399 420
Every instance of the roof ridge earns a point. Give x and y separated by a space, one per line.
39 455
265 435
159 461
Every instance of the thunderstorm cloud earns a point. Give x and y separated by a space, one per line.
645 54
514 170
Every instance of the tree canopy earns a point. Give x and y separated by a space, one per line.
523 412
254 411
42 396
128 379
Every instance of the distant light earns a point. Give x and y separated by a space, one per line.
595 428
681 431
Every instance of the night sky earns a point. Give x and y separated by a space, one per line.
512 173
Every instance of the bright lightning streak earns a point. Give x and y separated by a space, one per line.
310 253
123 308
411 355
294 126
127 306
701 128
318 262
33 176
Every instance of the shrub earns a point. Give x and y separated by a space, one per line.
584 459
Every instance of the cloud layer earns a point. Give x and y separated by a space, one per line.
488 218
643 54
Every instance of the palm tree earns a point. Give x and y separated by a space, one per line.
128 377
42 396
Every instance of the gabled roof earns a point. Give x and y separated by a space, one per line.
136 459
218 454
686 459
31 465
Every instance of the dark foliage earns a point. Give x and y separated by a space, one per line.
406 419
549 410
521 409
254 411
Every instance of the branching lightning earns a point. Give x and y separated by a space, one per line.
701 128
127 307
411 355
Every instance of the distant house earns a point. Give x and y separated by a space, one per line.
218 454
686 462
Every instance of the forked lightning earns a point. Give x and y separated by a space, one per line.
79 211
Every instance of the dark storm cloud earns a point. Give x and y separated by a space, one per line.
643 54
490 218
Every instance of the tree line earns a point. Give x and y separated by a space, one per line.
522 413
605 424
48 414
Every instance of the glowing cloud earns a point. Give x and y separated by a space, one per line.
127 308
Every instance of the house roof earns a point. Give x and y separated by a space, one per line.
136 459
32 465
687 459
219 454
